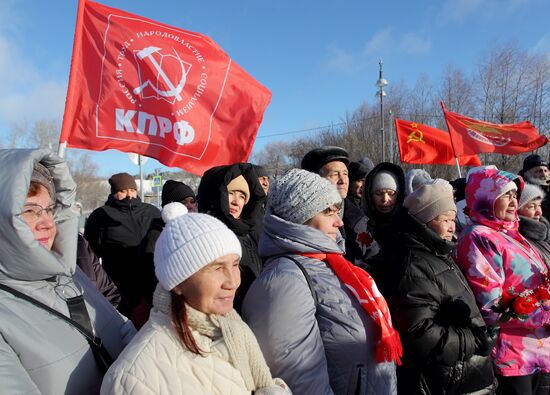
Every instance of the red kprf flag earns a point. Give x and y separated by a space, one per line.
472 136
140 86
421 144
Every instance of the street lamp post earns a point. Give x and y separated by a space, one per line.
381 83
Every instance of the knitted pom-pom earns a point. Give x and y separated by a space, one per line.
172 211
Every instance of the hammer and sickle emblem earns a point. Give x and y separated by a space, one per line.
417 136
174 91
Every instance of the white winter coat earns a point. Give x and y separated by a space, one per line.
156 362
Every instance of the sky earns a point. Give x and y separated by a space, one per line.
318 58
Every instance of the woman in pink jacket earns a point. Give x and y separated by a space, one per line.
509 279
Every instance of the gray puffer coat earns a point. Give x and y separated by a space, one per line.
40 353
323 349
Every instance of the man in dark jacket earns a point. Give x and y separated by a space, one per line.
116 232
332 163
446 346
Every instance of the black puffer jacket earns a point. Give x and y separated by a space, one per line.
116 232
538 234
213 199
436 314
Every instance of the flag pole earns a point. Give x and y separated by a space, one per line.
458 168
61 149
451 138
69 107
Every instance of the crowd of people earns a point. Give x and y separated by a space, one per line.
341 277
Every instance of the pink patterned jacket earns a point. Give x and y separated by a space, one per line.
495 257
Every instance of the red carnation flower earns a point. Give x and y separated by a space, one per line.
364 238
542 294
524 305
506 299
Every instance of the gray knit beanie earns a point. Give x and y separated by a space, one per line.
299 195
384 180
188 243
430 200
530 192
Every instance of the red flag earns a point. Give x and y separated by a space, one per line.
421 144
140 86
472 136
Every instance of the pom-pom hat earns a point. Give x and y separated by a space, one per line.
188 243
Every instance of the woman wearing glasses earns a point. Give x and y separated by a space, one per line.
51 315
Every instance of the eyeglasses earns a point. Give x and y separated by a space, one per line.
32 213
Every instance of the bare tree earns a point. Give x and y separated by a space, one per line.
457 91
91 189
18 135
510 85
274 158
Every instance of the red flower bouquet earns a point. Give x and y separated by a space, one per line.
521 305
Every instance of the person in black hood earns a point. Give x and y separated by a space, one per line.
233 194
384 192
446 345
117 234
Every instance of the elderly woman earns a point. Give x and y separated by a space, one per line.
320 321
194 342
509 280
446 346
532 224
49 309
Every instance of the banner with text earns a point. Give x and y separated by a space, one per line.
141 86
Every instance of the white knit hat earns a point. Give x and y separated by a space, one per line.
530 192
384 180
188 243
299 195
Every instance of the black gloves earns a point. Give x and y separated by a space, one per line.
485 339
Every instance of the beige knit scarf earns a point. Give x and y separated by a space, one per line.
241 343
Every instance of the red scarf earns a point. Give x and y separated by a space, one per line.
361 284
